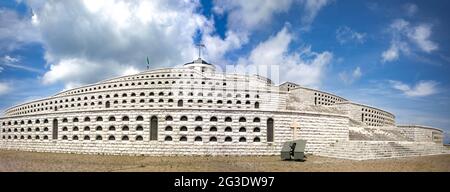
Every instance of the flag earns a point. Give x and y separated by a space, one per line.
148 62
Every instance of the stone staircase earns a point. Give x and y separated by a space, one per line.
377 134
364 150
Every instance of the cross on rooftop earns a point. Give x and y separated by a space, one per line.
199 46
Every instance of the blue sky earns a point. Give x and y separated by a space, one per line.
390 54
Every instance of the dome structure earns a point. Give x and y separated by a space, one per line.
201 65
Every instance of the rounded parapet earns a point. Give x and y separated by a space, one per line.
366 114
422 133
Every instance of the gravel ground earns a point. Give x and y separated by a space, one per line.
12 161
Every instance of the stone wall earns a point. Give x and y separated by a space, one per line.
247 137
370 116
314 97
421 133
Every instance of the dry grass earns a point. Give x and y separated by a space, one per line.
32 161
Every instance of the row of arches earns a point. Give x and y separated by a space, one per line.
212 129
126 138
22 122
166 82
75 119
99 138
154 126
212 118
132 102
100 118
74 137
75 128
44 137
126 128
127 118
48 105
143 94
147 83
211 139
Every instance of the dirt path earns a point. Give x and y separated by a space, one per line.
32 161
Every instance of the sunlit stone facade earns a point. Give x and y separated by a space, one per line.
187 110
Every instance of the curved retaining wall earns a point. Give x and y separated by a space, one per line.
319 129
422 133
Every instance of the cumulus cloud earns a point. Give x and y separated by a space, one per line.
421 89
304 66
404 34
393 53
346 35
243 18
15 30
248 15
350 77
420 35
218 47
100 39
311 8
4 88
76 71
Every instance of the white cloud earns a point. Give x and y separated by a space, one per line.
403 34
349 78
76 71
9 59
420 35
357 73
304 67
243 18
248 15
14 62
216 47
4 88
101 39
346 34
410 8
15 31
130 71
422 88
399 25
311 9
393 53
